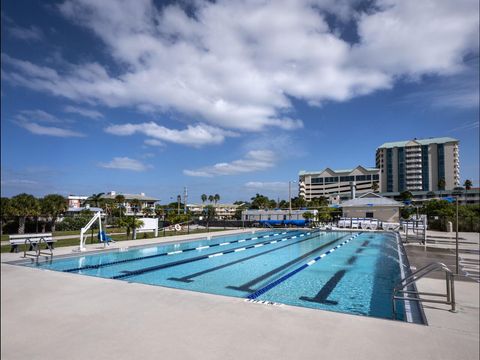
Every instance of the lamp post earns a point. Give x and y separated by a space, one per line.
179 199
456 237
457 192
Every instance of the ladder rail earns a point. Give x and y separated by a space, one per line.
407 295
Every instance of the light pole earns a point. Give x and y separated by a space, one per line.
456 237
179 199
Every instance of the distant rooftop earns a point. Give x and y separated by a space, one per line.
438 140
341 171
141 196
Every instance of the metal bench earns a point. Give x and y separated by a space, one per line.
34 242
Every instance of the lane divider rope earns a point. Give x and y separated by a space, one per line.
97 266
277 282
185 261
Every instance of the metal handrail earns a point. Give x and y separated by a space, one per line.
417 275
36 246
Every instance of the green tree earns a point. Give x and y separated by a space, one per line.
159 211
298 202
405 196
204 198
120 203
441 184
108 206
307 215
136 206
209 213
375 186
325 214
131 224
211 198
94 199
260 202
23 206
468 184
52 206
147 211
5 212
216 198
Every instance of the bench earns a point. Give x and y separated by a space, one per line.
33 240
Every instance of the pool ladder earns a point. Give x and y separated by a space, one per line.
417 275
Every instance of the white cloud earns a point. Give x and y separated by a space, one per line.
236 64
125 163
194 135
272 185
37 129
25 33
92 114
153 142
254 160
38 115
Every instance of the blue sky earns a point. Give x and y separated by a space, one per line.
232 97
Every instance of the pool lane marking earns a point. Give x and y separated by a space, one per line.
189 260
97 266
408 304
188 278
326 290
277 282
246 287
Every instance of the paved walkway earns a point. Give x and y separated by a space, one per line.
54 315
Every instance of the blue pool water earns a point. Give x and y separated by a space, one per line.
354 273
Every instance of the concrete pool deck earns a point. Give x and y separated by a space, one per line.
52 315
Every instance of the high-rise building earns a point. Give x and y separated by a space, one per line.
328 182
419 165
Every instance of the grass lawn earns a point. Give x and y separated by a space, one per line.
149 235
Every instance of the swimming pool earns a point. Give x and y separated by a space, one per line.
338 271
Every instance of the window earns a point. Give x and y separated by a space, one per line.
375 177
317 180
369 215
332 179
347 178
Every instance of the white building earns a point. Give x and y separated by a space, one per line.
76 201
418 165
222 211
275 214
372 206
330 183
145 202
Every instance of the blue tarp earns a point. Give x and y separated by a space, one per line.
284 222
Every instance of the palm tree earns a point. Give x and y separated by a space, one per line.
441 184
136 206
216 198
468 184
159 210
204 198
52 206
120 201
130 223
94 199
24 205
375 186
210 198
5 212
147 211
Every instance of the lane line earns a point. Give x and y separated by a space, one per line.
97 266
189 260
277 282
